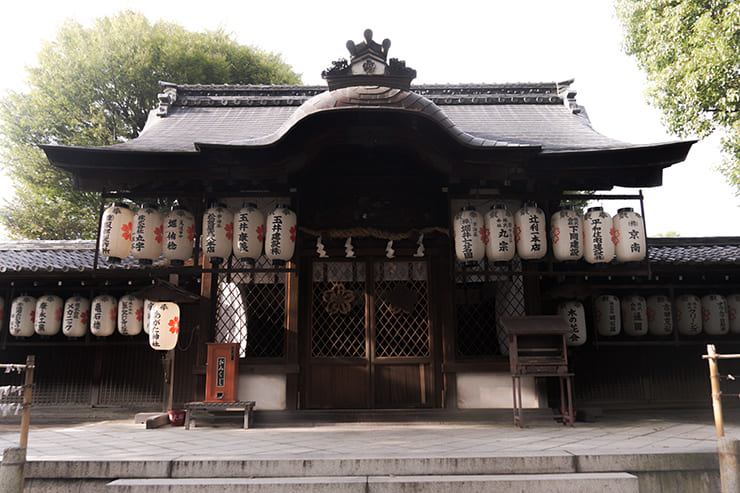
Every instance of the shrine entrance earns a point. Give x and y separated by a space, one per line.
368 341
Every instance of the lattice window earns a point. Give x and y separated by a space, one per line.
483 294
251 309
402 309
338 310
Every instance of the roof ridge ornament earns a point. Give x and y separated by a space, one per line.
369 66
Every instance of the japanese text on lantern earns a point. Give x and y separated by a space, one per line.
277 227
243 231
503 225
211 233
107 227
573 236
138 243
597 238
154 335
573 322
534 228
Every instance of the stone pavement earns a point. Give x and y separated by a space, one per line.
616 432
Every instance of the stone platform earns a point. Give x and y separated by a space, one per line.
624 451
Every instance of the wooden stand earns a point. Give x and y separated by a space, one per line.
245 407
537 348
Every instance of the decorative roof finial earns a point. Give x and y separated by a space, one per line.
369 65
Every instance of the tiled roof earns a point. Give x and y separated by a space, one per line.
530 114
694 251
58 256
79 255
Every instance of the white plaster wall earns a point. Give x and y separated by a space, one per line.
492 390
267 391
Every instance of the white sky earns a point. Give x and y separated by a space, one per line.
468 41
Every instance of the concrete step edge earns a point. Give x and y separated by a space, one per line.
612 482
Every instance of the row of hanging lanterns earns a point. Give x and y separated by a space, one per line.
50 314
596 237
146 234
712 314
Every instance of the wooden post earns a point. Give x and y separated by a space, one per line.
716 391
27 390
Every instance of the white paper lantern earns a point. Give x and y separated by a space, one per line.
660 315
733 312
22 316
715 320
116 231
179 235
598 243
575 315
501 244
566 234
688 314
530 229
470 236
607 315
146 241
249 236
76 316
49 310
281 227
164 323
218 233
629 236
634 315
103 315
130 315
148 307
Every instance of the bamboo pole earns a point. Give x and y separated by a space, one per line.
716 391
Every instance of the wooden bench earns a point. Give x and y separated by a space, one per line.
245 407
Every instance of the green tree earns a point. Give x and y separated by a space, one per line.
96 86
690 51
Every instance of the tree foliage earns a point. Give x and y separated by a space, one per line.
690 51
96 86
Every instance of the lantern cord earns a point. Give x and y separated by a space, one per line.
374 233
190 342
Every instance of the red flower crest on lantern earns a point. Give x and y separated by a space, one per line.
292 234
113 314
615 235
126 231
650 314
555 234
260 233
706 314
518 234
83 317
158 234
229 228
175 325
33 315
57 314
732 313
139 314
191 232
485 234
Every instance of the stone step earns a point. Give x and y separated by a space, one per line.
531 483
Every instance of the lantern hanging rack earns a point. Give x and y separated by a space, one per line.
373 233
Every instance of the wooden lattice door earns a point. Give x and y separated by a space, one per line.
369 335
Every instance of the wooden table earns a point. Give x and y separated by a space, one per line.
245 407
